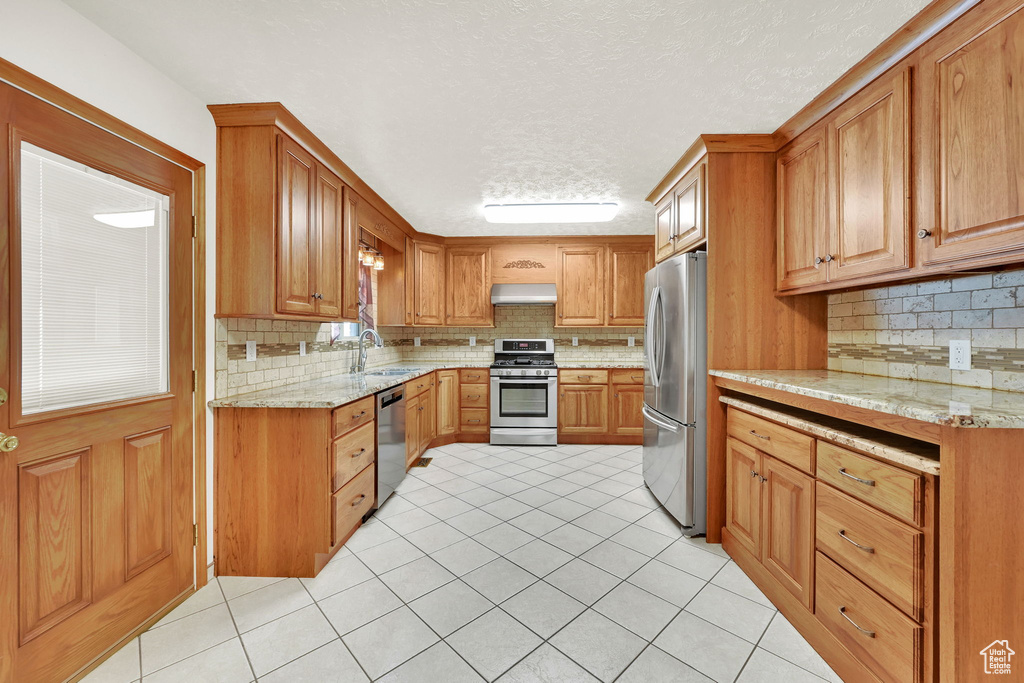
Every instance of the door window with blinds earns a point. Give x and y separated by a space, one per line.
94 290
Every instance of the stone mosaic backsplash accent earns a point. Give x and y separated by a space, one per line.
904 330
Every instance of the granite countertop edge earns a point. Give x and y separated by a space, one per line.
337 390
913 399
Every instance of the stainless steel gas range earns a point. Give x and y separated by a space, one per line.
524 393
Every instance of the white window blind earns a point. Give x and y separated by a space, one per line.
93 285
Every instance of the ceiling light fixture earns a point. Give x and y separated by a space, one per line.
128 219
592 212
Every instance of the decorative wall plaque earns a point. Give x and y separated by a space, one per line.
524 264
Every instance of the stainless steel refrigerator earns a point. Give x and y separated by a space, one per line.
675 388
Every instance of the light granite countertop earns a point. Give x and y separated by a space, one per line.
883 445
941 404
331 392
598 365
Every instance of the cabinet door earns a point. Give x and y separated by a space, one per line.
743 495
429 284
469 287
428 416
627 266
869 153
583 409
296 233
664 228
330 227
688 207
580 282
447 402
626 406
412 430
972 139
350 257
802 210
787 527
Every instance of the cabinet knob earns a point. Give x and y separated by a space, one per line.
829 257
922 233
818 260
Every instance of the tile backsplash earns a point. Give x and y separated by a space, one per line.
278 361
904 330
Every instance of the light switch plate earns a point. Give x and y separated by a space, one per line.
415 341
250 351
960 354
472 341
631 341
302 348
575 341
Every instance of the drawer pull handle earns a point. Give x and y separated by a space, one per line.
359 500
473 397
474 420
868 482
869 634
584 376
760 436
635 378
865 548
472 376
356 417
359 452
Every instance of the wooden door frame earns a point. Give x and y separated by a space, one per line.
33 85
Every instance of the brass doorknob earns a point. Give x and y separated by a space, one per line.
7 443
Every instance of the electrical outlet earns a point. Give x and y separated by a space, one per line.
960 354
250 351
575 341
415 341
302 348
472 341
631 341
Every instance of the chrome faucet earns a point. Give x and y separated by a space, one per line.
377 342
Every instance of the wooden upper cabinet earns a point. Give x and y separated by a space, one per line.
297 262
580 280
802 181
350 257
664 228
469 287
869 166
972 140
688 206
627 267
429 284
329 200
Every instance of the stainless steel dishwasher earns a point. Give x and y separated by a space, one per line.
390 441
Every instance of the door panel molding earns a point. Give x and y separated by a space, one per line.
148 492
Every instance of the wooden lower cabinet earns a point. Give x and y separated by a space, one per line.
291 485
474 404
600 406
856 581
413 404
627 402
447 402
583 409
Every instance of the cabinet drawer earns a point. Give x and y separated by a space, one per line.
474 376
351 454
351 415
892 557
888 488
352 502
787 445
475 420
895 652
583 376
632 376
473 395
415 387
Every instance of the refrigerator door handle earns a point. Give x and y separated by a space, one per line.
660 356
674 428
649 342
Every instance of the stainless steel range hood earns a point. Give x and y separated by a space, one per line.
523 295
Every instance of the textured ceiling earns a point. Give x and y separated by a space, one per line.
443 107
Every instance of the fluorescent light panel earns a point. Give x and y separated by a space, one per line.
551 213
128 219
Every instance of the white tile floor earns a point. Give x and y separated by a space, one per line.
510 564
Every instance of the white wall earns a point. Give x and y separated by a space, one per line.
52 41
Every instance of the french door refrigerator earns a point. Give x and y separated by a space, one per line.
675 388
